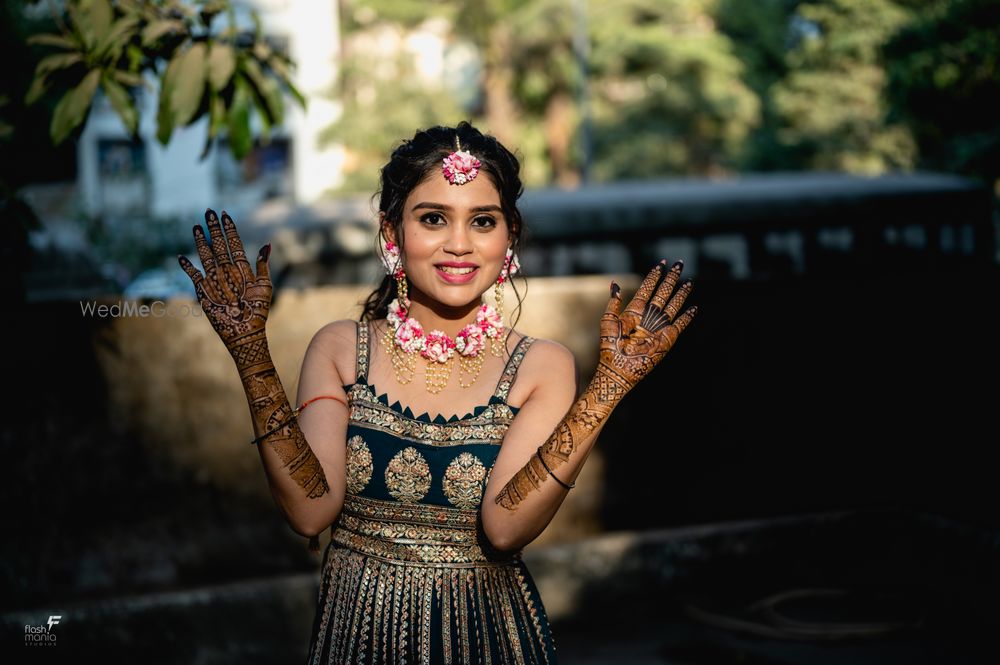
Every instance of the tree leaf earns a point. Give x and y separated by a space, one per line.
189 84
270 116
154 31
122 103
240 140
94 21
164 114
37 89
118 37
221 64
49 39
128 78
72 109
51 63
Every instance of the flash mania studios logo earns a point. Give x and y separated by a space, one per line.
41 636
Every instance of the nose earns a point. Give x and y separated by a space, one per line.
459 241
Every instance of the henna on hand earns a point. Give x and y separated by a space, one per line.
632 343
236 302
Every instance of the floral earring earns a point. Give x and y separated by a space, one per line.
510 266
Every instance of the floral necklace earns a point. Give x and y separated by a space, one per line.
405 338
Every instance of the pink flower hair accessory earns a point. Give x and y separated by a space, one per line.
392 260
460 166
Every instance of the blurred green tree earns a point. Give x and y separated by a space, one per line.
832 103
224 75
944 80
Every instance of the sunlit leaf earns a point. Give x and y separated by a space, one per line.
73 107
164 114
221 64
189 84
154 31
49 39
121 102
58 61
240 140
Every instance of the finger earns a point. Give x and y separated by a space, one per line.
611 327
204 251
635 308
263 268
685 319
236 246
668 336
219 247
191 271
677 301
615 302
667 285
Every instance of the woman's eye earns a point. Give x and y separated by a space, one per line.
484 221
431 218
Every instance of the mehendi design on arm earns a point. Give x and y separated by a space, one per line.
632 343
237 302
585 416
269 407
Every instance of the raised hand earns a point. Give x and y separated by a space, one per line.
634 341
235 300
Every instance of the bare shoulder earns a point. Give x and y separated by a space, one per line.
336 341
547 367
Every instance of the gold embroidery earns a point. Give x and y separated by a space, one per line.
464 481
407 476
489 426
375 611
359 465
413 533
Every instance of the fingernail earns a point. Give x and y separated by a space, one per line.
663 262
265 251
210 215
615 289
679 263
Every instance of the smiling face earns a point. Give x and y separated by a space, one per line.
455 239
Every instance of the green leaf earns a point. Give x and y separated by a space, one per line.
267 98
122 103
58 61
221 64
280 68
164 114
240 140
37 89
189 84
128 78
72 109
94 21
154 31
49 39
118 37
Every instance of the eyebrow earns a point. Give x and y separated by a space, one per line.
441 206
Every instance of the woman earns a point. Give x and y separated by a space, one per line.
429 513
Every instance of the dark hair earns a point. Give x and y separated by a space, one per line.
417 159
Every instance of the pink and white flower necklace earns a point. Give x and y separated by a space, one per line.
405 334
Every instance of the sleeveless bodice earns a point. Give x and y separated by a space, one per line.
408 551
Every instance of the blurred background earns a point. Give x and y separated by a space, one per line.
807 478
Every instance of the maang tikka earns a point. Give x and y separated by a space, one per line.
405 338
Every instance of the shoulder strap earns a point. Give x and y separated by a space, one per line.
510 371
362 359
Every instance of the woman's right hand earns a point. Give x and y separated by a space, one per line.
235 300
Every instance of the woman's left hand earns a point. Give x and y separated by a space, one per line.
634 341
